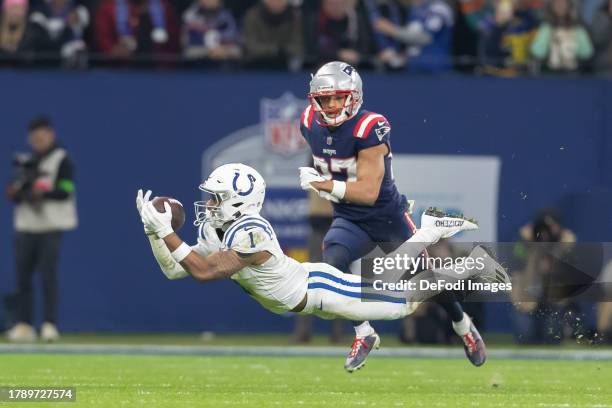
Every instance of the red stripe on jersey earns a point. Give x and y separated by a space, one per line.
310 116
365 124
358 125
372 123
306 117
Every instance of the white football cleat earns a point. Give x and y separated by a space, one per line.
447 224
49 332
21 333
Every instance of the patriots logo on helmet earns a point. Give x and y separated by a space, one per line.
348 70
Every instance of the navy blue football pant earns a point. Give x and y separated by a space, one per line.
347 241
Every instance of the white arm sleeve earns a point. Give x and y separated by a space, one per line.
170 268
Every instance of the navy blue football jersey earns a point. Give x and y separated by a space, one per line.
335 152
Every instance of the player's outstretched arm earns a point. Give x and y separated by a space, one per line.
167 264
370 173
169 267
220 265
163 256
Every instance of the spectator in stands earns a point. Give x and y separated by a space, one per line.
124 29
15 35
537 286
337 31
561 43
210 32
602 38
273 35
44 196
507 36
428 35
63 23
390 52
479 14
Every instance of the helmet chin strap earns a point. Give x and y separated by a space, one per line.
342 117
338 120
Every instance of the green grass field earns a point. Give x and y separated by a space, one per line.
194 381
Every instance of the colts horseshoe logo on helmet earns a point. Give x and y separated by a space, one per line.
235 184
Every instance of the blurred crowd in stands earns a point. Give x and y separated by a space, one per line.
492 37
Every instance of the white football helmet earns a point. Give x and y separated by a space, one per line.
233 190
336 78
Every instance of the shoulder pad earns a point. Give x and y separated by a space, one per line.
249 235
366 122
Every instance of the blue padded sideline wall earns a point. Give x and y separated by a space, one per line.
127 130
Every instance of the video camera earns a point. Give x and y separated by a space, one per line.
26 172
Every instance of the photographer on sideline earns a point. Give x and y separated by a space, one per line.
543 314
44 196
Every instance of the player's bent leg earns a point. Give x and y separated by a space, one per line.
493 271
485 269
338 256
473 344
333 294
435 225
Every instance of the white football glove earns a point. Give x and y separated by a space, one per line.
327 196
141 200
309 175
159 223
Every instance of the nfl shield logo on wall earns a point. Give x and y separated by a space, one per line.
280 119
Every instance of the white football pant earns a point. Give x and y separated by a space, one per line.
336 295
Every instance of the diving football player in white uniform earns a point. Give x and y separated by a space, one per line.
235 242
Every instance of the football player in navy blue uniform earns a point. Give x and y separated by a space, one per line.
352 168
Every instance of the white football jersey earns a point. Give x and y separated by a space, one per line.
280 283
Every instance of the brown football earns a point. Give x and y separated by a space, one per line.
178 212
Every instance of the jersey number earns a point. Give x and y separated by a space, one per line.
327 166
252 240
